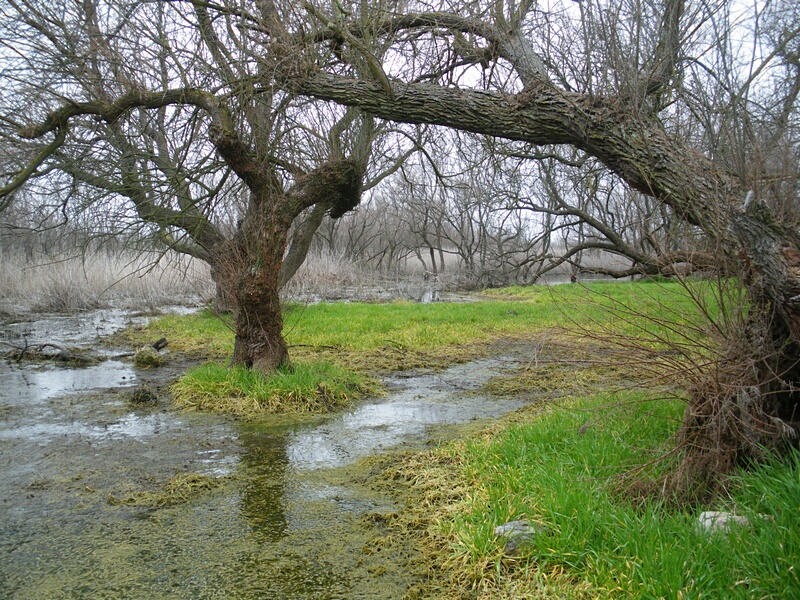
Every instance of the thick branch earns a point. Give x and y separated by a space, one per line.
639 152
335 183
111 111
222 131
510 45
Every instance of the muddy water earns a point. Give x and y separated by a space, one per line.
285 520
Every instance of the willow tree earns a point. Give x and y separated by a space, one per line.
165 115
651 90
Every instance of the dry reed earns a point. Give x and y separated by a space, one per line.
100 279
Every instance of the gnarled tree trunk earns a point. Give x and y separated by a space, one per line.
253 261
255 264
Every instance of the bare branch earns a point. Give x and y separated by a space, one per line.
31 169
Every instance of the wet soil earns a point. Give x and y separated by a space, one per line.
285 517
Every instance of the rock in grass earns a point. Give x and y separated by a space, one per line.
715 521
147 358
517 534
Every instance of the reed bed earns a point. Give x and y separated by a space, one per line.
98 279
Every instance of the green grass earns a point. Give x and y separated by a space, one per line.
203 334
438 328
373 338
312 387
566 477
572 468
654 312
404 335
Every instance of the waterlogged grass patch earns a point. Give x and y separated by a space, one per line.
178 490
391 357
436 489
312 387
556 379
204 334
406 335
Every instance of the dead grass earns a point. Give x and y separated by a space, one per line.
391 357
99 279
437 490
325 270
178 490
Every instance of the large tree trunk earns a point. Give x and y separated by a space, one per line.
254 260
770 259
254 266
259 323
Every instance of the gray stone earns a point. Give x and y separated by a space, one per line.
516 534
715 521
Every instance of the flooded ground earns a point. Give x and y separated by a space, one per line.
283 516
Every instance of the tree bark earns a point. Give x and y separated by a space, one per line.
254 261
254 264
638 150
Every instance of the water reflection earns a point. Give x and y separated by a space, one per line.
25 384
404 416
279 527
264 461
79 329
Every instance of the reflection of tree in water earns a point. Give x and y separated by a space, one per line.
264 464
277 567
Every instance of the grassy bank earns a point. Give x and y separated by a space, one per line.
401 335
579 473
368 339
312 387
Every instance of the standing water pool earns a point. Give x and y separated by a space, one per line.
90 507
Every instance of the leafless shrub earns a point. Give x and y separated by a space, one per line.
732 415
710 347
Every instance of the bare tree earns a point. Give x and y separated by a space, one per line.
164 115
616 82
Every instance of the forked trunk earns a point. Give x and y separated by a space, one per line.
255 263
251 265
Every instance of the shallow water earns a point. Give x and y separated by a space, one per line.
285 520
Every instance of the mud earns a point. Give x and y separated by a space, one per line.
285 517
